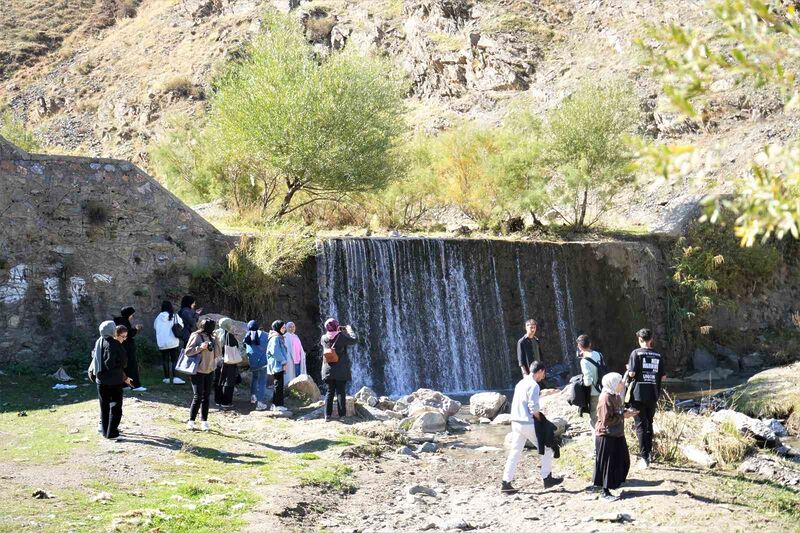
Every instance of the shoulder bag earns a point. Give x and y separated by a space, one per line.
177 329
232 355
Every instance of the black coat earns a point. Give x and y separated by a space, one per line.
115 359
338 371
546 436
189 318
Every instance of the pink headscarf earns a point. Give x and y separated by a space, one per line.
332 327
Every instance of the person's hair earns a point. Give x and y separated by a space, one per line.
645 334
119 330
530 322
166 307
537 366
207 326
584 341
187 301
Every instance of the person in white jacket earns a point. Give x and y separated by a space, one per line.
168 343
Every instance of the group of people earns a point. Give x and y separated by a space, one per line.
613 397
274 357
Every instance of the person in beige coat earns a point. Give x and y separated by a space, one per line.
201 343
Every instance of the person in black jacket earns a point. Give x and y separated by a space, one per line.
645 371
110 359
528 351
336 375
189 314
132 368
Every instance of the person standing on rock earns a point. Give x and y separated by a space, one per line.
166 324
612 462
132 368
529 423
277 359
336 365
296 351
109 362
201 343
528 350
226 374
645 370
189 314
590 367
255 343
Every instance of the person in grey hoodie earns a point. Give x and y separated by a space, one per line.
108 368
277 356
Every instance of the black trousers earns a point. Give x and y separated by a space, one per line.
169 358
110 409
201 386
338 388
132 370
224 384
277 398
644 427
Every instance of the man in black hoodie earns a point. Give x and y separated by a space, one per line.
111 379
132 368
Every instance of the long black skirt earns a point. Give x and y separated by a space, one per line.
612 462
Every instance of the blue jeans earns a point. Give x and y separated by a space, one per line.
297 369
258 385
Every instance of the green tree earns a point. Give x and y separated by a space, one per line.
748 40
325 130
586 150
14 131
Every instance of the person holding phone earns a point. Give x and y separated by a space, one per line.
201 343
110 359
132 370
336 372
612 461
189 314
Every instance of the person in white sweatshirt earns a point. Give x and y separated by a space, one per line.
167 341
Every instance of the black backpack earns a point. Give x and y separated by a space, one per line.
602 370
577 394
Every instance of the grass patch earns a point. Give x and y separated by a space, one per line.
763 497
578 454
446 42
728 446
774 393
308 456
336 478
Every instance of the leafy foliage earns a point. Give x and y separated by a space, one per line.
14 131
753 40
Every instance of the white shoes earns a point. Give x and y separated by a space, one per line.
279 408
641 464
261 407
253 398
165 380
190 425
100 427
178 381
204 425
139 389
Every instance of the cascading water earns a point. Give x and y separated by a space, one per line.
446 314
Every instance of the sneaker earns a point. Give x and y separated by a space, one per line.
592 488
282 408
274 408
261 406
139 389
165 380
642 464
609 497
253 398
113 438
506 488
190 425
551 481
225 406
204 425
100 427
178 381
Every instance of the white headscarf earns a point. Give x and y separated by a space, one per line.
610 382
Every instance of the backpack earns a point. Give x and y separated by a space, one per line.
330 355
602 370
577 394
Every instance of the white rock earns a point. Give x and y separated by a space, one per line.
776 426
404 450
430 423
503 419
304 385
698 456
486 404
427 447
711 375
370 413
745 424
364 394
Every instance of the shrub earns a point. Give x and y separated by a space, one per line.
179 86
15 132
330 478
318 26
728 446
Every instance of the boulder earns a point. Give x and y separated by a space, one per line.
503 419
416 409
404 450
430 423
422 398
304 386
427 447
367 396
752 361
698 456
703 360
385 403
368 412
715 374
486 404
776 426
747 426
239 327
729 357
420 489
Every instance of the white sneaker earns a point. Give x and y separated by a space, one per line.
178 381
165 380
190 425
253 398
641 464
100 427
204 425
274 408
261 407
282 408
139 389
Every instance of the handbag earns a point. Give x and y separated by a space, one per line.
232 355
330 355
187 364
177 329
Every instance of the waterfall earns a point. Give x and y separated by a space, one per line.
521 286
566 345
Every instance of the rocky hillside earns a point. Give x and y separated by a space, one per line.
111 91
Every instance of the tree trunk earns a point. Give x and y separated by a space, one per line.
583 207
536 221
293 187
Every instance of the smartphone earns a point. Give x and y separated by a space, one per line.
342 328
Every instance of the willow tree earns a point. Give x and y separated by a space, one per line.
325 129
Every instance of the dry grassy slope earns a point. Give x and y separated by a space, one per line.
109 94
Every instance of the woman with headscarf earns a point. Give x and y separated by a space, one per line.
132 370
189 314
226 374
296 352
108 368
201 343
277 356
255 343
168 342
612 461
336 374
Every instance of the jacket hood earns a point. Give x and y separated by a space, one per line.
107 328
226 324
